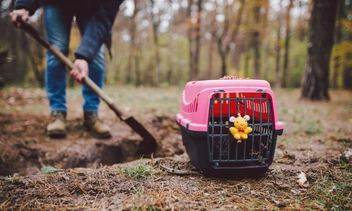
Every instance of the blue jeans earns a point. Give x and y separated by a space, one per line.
58 20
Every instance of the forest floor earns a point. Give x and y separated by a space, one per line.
79 172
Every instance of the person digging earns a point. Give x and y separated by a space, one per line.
94 19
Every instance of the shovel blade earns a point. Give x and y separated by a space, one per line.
149 144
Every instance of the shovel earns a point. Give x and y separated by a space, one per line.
149 143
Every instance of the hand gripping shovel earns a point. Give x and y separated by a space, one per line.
149 143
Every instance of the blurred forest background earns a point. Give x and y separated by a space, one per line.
169 42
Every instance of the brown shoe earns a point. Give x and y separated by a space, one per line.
57 125
96 126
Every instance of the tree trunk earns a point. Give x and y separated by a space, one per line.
211 46
223 64
130 66
210 58
287 44
155 25
137 46
190 41
347 71
264 34
22 47
256 40
35 60
237 53
197 41
315 82
347 74
278 50
246 61
194 39
228 35
133 63
338 38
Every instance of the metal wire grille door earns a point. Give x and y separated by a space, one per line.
227 152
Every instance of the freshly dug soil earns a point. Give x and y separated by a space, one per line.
25 147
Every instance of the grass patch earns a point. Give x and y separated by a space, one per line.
10 178
312 128
330 194
139 171
139 100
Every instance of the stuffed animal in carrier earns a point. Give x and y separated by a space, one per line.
240 130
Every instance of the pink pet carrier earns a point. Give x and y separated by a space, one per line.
205 122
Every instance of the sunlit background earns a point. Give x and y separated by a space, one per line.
159 42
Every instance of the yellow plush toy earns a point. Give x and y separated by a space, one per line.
241 128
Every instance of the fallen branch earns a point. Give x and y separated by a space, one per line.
175 171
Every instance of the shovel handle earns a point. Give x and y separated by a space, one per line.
34 33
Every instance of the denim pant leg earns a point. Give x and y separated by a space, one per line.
57 24
96 74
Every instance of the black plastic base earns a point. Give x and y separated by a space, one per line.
198 152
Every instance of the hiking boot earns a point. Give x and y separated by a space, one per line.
96 126
57 125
